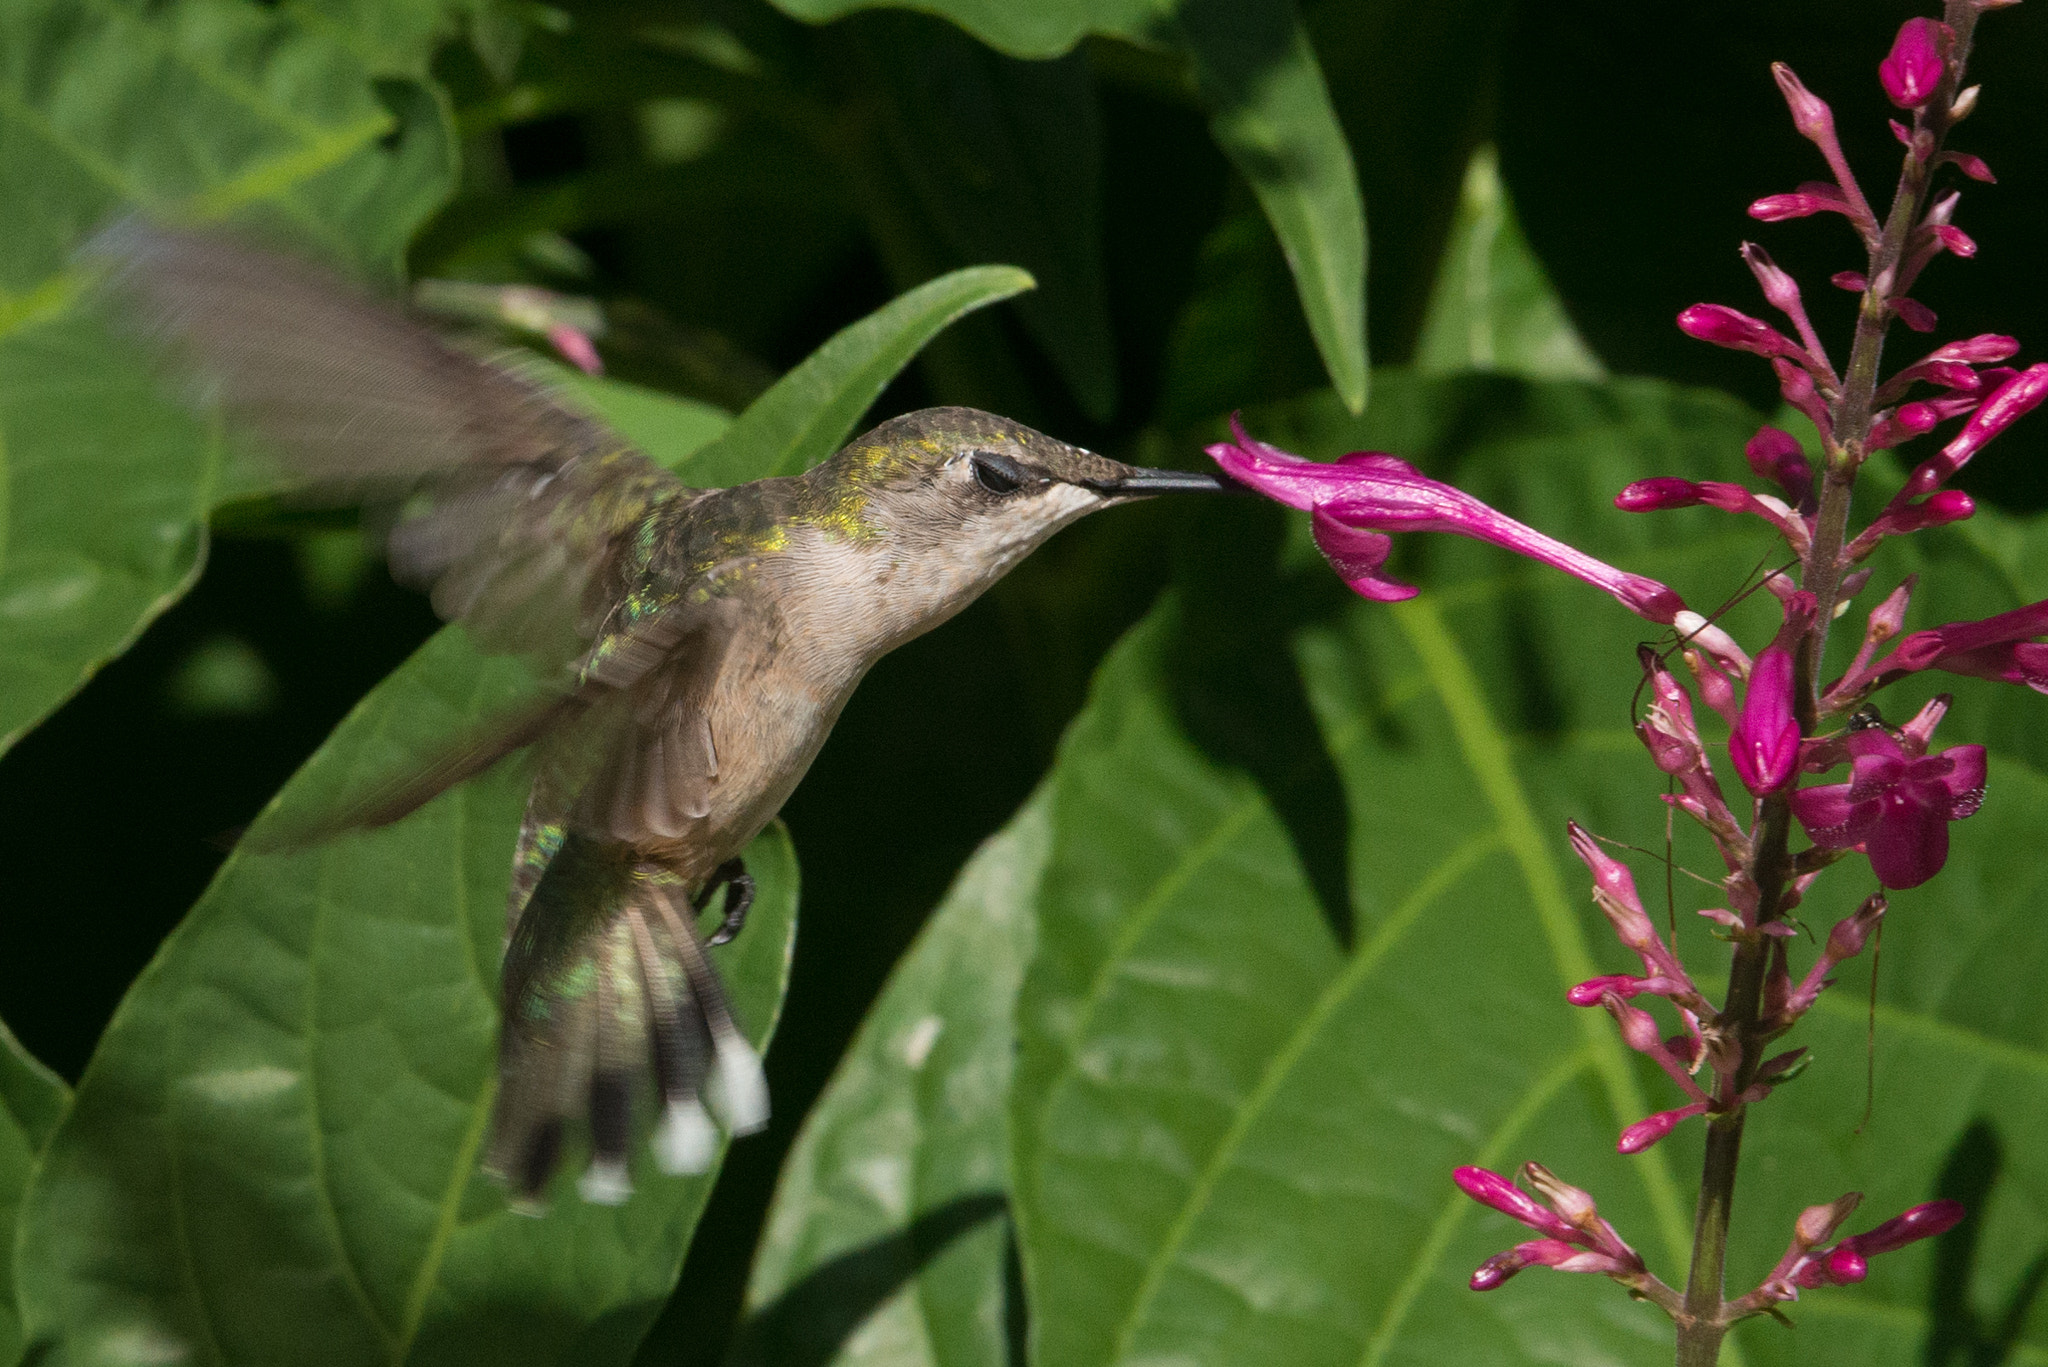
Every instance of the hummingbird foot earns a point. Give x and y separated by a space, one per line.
732 875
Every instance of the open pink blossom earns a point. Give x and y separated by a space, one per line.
1356 499
1897 805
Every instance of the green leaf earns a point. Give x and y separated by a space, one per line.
812 410
273 1154
1492 308
32 1100
197 109
1269 111
1271 115
668 428
885 1243
1003 160
1252 1048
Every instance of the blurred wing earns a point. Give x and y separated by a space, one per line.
518 502
626 755
348 388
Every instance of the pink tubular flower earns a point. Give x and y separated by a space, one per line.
1652 1128
1731 328
1355 500
1812 197
1998 648
1848 1262
1897 805
1916 63
2014 399
1575 1238
1764 745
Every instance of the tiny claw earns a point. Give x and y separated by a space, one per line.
732 875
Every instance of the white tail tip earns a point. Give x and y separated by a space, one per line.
605 1184
739 1089
686 1142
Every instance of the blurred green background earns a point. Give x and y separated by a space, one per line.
734 184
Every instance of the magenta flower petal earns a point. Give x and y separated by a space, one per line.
1776 455
1491 1189
1897 805
1356 555
1365 494
1914 68
1909 844
1764 745
1923 1221
1723 326
1834 819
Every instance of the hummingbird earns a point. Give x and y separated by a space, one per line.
695 648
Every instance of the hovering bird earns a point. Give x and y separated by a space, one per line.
700 644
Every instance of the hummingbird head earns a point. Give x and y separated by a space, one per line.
945 501
962 484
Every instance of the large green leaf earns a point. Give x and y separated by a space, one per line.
886 1243
1270 112
1492 309
201 108
813 409
273 1154
32 1101
1002 159
1252 1049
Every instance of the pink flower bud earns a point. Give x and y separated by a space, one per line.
1491 1189
1841 1266
1614 889
576 348
1657 493
1652 1128
1775 455
1938 509
1973 167
1591 991
1810 113
1817 1224
1853 281
1723 326
1914 314
1923 1221
1852 932
1779 288
1982 349
1917 62
1638 1027
1954 238
1765 743
1574 1205
1814 197
2016 398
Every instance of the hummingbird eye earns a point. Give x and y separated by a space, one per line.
997 474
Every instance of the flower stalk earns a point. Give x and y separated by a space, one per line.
1786 723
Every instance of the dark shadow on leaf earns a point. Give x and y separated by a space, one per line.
1958 1336
1016 1306
1238 691
807 1324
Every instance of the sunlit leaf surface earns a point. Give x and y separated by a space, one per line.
203 108
888 1237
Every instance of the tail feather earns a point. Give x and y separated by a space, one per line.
607 990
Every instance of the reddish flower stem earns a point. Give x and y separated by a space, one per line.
1705 1317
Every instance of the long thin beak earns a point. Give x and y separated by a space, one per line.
1141 482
